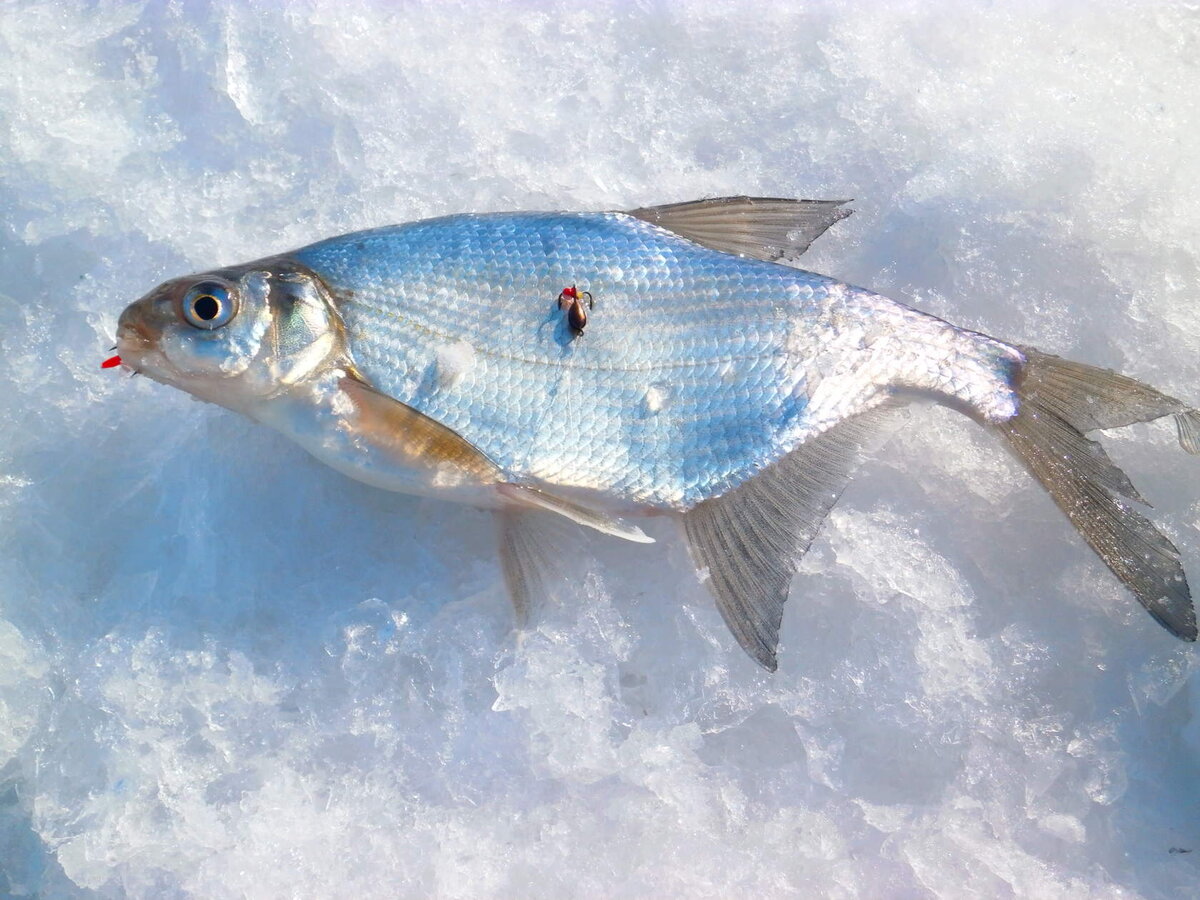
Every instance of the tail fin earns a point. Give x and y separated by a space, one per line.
1059 401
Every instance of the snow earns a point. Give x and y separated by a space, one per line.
227 671
453 362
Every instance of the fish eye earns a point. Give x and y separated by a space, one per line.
208 305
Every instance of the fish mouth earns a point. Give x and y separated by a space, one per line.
133 344
131 338
137 345
144 360
132 327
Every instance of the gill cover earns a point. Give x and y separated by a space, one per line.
307 330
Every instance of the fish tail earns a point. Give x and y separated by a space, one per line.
1059 401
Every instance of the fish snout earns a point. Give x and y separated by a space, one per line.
140 329
133 331
144 320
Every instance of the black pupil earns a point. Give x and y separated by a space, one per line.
206 307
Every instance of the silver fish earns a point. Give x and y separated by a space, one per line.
704 379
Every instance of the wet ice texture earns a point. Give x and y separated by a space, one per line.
226 671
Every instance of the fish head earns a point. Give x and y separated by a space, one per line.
234 336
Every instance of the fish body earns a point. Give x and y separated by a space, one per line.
697 370
705 380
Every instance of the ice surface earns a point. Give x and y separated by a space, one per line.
226 671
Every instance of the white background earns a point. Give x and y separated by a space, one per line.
226 671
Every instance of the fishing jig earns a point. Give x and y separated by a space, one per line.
571 299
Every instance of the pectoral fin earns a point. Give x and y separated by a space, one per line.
751 538
767 228
412 439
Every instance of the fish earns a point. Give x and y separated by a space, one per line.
707 378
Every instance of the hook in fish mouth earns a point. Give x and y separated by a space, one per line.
134 339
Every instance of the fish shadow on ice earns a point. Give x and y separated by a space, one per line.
231 534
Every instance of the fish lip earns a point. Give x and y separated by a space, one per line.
137 343
133 333
133 317
146 360
134 343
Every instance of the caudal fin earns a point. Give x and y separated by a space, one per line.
1059 401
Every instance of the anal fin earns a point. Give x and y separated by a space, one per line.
751 538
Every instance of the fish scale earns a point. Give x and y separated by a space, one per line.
571 410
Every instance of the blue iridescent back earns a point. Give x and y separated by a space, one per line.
687 380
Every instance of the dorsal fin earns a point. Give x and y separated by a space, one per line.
750 538
768 228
